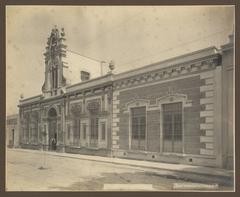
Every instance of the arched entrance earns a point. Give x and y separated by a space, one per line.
52 132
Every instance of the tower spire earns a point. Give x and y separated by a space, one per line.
55 51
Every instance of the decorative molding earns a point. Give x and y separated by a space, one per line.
115 129
76 109
209 119
50 107
92 102
174 97
137 103
206 151
209 94
206 88
168 72
115 118
209 132
206 126
209 146
206 139
75 101
206 75
207 100
114 146
209 81
93 106
169 98
194 75
206 113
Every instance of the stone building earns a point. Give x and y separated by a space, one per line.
177 111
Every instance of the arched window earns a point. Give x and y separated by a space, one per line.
52 112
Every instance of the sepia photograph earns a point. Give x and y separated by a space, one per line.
120 98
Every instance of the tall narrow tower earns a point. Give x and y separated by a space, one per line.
55 52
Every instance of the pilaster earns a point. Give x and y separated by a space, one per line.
115 120
218 136
207 113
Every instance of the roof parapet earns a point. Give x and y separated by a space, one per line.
90 83
30 99
196 55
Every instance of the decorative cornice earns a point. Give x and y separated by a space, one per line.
174 97
169 98
166 73
98 82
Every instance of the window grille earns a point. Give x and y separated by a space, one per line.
94 132
84 131
138 120
68 131
103 129
172 127
76 131
34 133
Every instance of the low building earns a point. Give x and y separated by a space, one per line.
177 111
12 131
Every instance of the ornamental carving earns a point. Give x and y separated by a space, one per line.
136 103
76 109
93 107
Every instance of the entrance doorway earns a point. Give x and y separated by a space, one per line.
52 132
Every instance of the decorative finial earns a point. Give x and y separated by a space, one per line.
62 33
21 96
111 65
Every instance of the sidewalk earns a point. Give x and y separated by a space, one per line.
176 168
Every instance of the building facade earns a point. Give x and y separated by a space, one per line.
177 111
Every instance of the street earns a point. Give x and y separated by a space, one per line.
24 173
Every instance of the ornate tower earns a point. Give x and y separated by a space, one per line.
55 52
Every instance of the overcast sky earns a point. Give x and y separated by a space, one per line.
132 36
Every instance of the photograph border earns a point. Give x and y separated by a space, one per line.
5 3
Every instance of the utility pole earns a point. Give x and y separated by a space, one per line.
44 134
